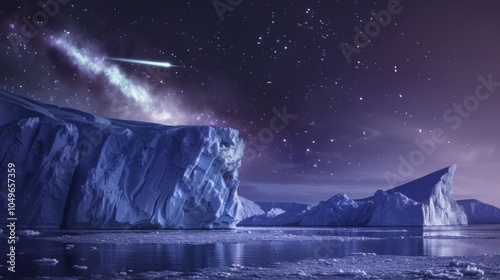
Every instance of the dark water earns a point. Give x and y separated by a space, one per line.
111 259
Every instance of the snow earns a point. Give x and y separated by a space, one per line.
479 212
428 201
82 171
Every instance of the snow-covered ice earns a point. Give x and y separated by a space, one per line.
77 170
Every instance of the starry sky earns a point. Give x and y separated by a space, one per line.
330 96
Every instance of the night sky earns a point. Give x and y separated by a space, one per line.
420 95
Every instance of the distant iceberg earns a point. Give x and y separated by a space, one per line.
427 201
479 212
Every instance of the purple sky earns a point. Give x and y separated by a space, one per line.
348 123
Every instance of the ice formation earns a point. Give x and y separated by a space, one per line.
248 209
339 210
479 212
434 193
77 170
427 201
277 214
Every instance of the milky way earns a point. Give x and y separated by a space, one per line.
95 64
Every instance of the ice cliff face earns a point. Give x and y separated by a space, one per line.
479 212
76 170
435 194
427 201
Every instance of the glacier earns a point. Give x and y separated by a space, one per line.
75 170
427 201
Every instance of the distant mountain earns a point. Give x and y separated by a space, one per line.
77 170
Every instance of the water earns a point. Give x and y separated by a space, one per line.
113 252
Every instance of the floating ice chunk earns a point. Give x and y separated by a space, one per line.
28 232
46 261
357 254
70 246
349 272
472 271
79 267
458 263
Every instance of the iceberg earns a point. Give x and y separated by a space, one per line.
434 193
248 209
76 170
339 210
479 212
427 201
277 214
395 209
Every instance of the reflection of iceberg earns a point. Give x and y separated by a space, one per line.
81 171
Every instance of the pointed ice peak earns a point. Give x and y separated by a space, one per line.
421 188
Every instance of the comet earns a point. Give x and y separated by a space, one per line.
144 62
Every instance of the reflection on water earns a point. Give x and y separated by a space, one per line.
114 258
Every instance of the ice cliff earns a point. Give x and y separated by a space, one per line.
76 170
427 201
434 193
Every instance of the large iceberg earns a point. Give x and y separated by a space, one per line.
76 170
434 193
427 201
